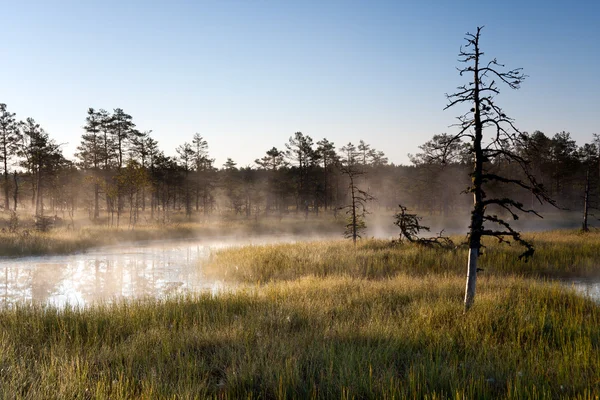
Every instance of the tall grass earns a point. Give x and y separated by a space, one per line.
312 338
558 254
328 320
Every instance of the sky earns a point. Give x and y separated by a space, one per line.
248 74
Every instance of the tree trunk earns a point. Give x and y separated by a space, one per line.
38 200
16 192
478 210
6 188
96 200
354 224
586 197
471 278
152 199
33 192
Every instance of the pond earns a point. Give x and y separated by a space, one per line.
140 270
586 287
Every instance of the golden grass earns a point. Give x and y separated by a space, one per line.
313 338
558 254
327 320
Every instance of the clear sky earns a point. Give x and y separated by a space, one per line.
248 74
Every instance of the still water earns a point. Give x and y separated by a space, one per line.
590 288
153 269
141 270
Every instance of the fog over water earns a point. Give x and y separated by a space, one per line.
144 270
160 269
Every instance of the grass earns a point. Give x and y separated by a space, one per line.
63 241
559 254
28 242
336 337
327 320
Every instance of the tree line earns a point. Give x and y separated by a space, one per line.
119 172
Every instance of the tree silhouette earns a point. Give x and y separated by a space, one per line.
588 156
479 94
301 154
9 138
356 210
200 159
271 163
91 153
186 159
121 128
140 152
330 159
441 159
42 159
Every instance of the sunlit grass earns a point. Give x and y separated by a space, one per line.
313 338
558 254
325 320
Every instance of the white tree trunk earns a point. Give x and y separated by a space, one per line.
471 277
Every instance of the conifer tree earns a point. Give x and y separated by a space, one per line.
9 138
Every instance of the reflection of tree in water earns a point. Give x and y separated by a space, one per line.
86 278
45 280
16 285
99 280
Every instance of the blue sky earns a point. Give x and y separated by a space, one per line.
248 74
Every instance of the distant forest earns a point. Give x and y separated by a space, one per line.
119 175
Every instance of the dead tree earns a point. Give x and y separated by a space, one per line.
410 228
356 210
589 157
586 202
483 112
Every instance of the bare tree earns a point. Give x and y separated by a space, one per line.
479 94
410 228
356 210
588 158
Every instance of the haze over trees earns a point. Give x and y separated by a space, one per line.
120 171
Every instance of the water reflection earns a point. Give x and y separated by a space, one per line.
590 288
108 274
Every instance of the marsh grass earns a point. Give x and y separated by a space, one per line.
327 320
62 241
28 242
559 254
335 337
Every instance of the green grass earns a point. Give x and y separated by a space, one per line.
313 338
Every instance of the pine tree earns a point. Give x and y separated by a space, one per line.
9 138
90 152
